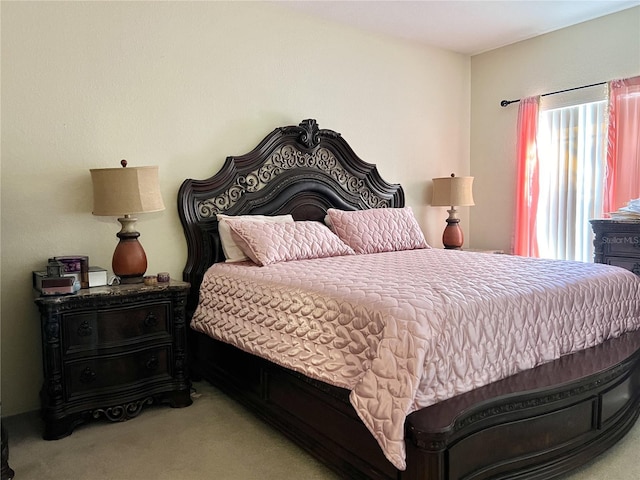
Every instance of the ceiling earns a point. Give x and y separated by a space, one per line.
467 27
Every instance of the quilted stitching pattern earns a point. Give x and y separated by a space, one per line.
267 243
232 251
357 322
378 229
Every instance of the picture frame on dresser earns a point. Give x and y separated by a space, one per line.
110 351
617 242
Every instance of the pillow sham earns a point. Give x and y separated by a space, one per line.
233 252
378 229
267 243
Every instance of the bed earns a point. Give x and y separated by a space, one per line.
537 424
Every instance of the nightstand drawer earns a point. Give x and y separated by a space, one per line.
632 264
111 373
91 330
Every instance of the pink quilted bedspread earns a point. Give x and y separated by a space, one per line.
404 330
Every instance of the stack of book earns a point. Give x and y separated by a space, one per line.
54 285
76 274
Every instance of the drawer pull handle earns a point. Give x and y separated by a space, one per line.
87 375
152 363
85 330
151 320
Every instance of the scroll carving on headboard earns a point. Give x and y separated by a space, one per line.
308 132
284 159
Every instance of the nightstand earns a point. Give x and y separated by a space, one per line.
110 351
617 242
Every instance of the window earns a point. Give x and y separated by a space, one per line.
572 167
578 158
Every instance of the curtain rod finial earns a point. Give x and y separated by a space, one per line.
504 103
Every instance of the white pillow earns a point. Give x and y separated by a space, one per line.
232 252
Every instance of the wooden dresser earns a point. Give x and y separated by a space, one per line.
109 351
617 242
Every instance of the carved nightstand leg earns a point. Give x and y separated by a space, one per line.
179 399
7 472
60 428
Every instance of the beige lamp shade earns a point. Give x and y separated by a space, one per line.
452 191
124 191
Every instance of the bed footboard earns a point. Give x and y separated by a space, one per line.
538 424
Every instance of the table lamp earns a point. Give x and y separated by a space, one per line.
452 192
126 191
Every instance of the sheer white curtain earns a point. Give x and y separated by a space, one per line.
572 161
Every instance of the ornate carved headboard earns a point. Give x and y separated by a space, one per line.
301 170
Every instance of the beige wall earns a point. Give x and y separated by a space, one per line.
182 85
595 51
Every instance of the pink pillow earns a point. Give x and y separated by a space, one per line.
378 229
267 243
232 251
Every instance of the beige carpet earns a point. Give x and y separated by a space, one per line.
214 439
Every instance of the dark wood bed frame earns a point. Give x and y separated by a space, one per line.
538 424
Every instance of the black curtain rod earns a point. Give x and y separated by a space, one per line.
505 103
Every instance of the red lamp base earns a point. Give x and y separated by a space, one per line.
452 238
129 260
